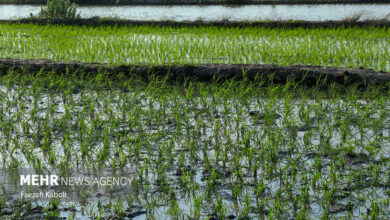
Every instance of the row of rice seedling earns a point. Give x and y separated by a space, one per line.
366 47
233 149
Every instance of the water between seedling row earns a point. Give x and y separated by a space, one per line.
307 139
219 12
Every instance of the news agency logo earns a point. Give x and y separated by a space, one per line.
39 180
55 180
67 185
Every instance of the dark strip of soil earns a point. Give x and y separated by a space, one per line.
205 72
96 21
197 2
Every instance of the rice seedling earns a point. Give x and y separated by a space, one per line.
348 47
202 150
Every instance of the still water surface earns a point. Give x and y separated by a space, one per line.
217 12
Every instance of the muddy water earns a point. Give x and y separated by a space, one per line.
208 13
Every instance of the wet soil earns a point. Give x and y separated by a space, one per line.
97 21
308 75
196 2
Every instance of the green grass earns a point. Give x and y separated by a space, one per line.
241 148
366 47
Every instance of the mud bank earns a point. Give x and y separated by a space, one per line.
96 21
309 75
197 2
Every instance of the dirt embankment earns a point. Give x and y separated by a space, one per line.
274 24
196 2
205 72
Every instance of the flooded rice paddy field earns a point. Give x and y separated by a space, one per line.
234 149
366 47
320 12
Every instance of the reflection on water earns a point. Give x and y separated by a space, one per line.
238 13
